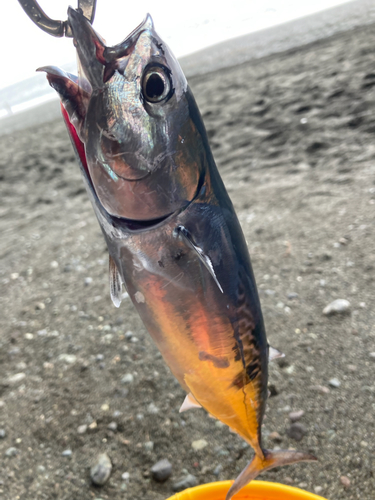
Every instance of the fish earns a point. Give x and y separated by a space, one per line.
173 237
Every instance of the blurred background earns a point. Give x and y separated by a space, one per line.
187 28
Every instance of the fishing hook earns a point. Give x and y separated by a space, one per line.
51 26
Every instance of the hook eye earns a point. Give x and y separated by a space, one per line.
51 26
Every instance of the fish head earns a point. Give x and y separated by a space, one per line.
131 110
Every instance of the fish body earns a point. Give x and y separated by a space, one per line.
172 233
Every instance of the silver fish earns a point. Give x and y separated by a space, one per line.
173 236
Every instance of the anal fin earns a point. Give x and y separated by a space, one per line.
274 353
204 258
115 283
189 403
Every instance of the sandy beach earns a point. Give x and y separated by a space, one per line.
293 135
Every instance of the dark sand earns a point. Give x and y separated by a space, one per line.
294 137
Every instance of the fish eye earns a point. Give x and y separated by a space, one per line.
156 84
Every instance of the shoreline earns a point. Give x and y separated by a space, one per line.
280 38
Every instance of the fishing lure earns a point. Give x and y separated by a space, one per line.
173 236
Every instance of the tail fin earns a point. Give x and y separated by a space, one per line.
271 459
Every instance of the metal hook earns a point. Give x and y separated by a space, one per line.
51 26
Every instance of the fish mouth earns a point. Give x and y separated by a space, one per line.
141 225
98 61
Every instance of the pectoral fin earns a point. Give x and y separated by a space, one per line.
274 353
189 403
115 283
204 258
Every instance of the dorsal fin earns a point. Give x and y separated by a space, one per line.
204 258
115 283
189 403
274 353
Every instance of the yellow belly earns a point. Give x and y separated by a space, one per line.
198 347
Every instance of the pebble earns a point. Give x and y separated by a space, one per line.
129 334
67 453
161 471
199 444
69 359
217 470
296 415
334 382
152 409
112 426
318 489
338 306
101 470
127 379
17 377
272 390
188 481
331 434
372 355
149 445
320 388
275 436
125 476
82 429
11 452
88 281
296 431
2 433
345 481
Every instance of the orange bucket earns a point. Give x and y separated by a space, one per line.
256 490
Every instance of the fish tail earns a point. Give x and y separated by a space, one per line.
269 460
